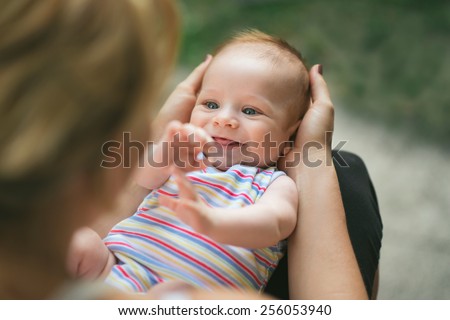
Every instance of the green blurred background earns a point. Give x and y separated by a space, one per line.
387 61
387 64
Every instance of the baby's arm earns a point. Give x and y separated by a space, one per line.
263 224
88 257
179 148
268 221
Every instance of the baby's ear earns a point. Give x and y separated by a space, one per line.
286 147
292 131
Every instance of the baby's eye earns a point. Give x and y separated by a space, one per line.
211 105
249 111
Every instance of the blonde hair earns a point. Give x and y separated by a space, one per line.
275 48
74 74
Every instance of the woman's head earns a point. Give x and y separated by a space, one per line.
73 75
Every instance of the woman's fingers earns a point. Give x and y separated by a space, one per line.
319 119
194 80
181 101
319 88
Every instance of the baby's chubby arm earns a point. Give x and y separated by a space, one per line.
263 224
179 146
271 219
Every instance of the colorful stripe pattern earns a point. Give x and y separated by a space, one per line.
154 246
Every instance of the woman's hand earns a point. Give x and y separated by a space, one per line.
322 264
313 139
319 119
181 101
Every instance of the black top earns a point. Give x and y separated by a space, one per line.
363 221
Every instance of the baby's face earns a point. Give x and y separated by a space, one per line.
245 105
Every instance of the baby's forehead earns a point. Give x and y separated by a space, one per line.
278 58
259 50
288 73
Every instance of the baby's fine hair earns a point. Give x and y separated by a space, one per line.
275 48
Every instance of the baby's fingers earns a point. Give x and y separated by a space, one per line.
168 202
189 145
185 188
171 131
195 135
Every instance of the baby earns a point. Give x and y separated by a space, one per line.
226 223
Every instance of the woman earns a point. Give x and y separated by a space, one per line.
75 74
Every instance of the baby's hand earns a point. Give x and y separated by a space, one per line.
189 207
182 145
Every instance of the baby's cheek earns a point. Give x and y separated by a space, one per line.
196 117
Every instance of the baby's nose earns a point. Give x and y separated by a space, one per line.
226 120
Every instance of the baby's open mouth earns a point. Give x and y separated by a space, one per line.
226 142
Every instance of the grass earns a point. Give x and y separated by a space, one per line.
386 60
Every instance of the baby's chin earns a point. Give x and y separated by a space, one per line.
223 165
220 163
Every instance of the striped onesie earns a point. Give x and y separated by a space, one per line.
154 246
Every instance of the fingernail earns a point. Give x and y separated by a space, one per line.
320 69
208 56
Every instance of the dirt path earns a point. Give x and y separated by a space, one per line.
413 185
